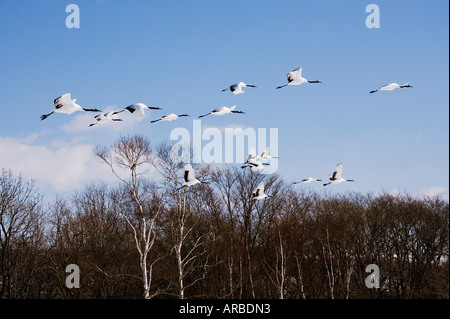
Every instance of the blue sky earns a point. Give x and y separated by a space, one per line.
179 55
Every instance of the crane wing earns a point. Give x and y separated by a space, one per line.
139 114
295 75
218 110
337 174
188 173
251 153
260 187
388 87
131 108
62 100
265 152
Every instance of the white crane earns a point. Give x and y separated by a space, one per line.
222 111
64 104
391 86
104 118
295 78
336 177
237 88
252 154
169 117
189 177
258 192
138 110
266 155
253 163
308 180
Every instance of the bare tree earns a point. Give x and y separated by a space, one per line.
183 221
21 235
133 154
213 240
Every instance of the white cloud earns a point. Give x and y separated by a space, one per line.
30 138
433 191
395 192
63 167
79 123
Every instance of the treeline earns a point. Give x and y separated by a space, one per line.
146 238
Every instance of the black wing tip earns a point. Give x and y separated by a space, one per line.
56 100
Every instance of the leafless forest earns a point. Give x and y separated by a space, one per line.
143 238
